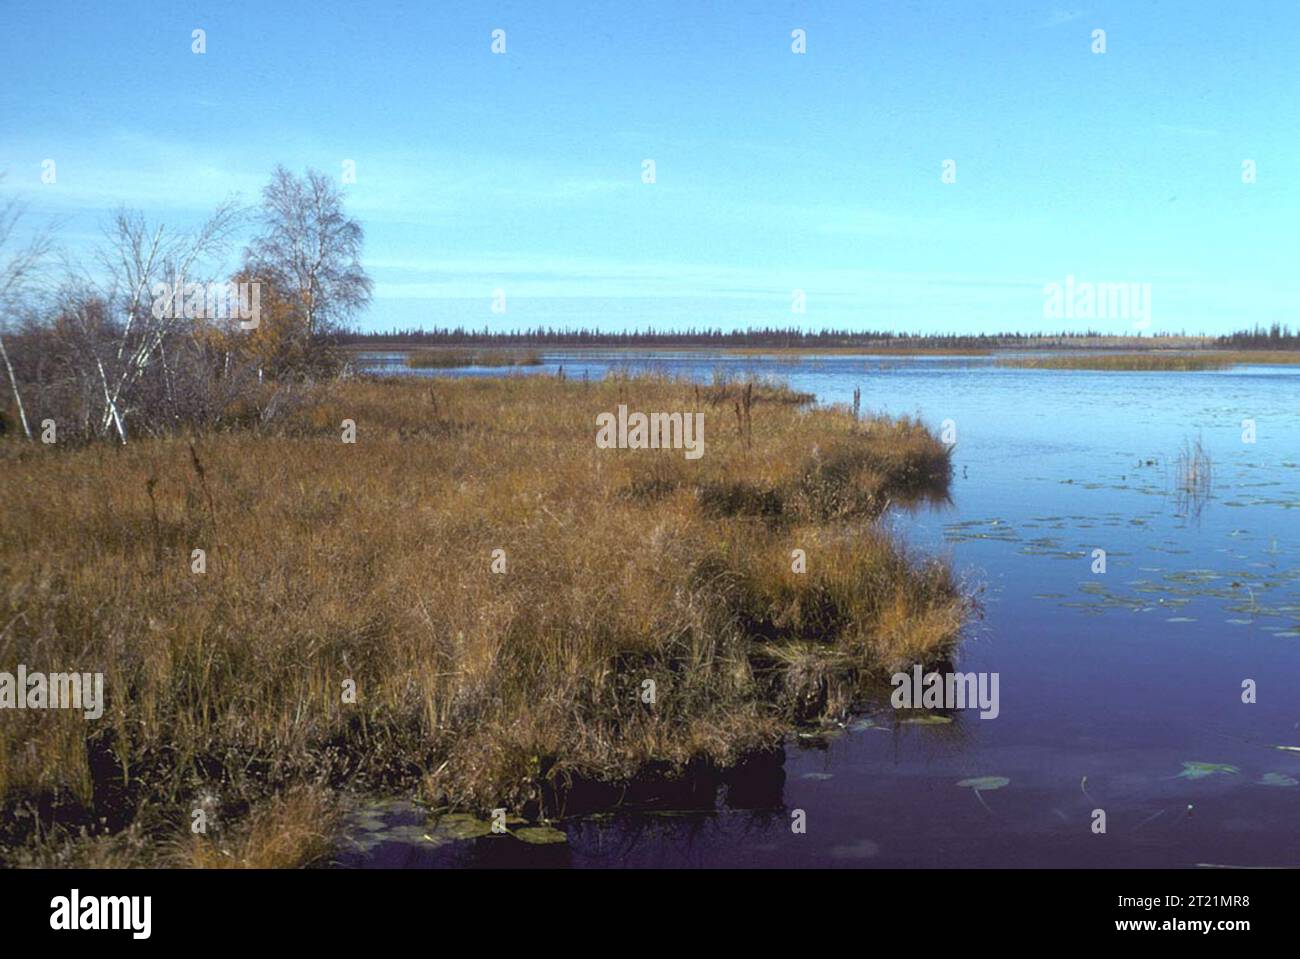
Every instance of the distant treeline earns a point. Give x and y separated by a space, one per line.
1274 337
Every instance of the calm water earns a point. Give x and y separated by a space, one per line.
1121 677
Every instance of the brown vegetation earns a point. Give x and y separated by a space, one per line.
1151 361
372 562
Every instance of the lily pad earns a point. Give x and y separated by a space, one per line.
408 834
980 783
540 835
462 825
928 720
1277 779
862 725
822 736
1201 770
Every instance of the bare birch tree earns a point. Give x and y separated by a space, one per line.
17 272
310 249
136 258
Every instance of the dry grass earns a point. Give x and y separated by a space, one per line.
282 833
372 563
1261 357
1136 362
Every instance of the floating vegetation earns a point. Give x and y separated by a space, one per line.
389 821
1047 546
368 841
929 719
862 725
821 737
977 529
981 784
540 835
1277 779
462 826
1238 591
375 826
1108 599
366 822
1194 770
404 834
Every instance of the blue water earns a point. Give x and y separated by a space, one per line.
1109 682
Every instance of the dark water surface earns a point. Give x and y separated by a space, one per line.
1109 683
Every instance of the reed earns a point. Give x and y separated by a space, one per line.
1195 477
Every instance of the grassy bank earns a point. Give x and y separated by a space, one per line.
1190 362
330 564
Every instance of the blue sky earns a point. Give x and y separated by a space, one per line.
774 171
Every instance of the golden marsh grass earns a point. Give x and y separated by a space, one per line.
371 563
1152 360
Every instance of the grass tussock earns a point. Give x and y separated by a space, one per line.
480 676
285 832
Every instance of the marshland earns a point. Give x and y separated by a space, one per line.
368 581
1121 682
1153 360
494 587
354 607
370 565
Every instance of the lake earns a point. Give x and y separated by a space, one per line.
1120 691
